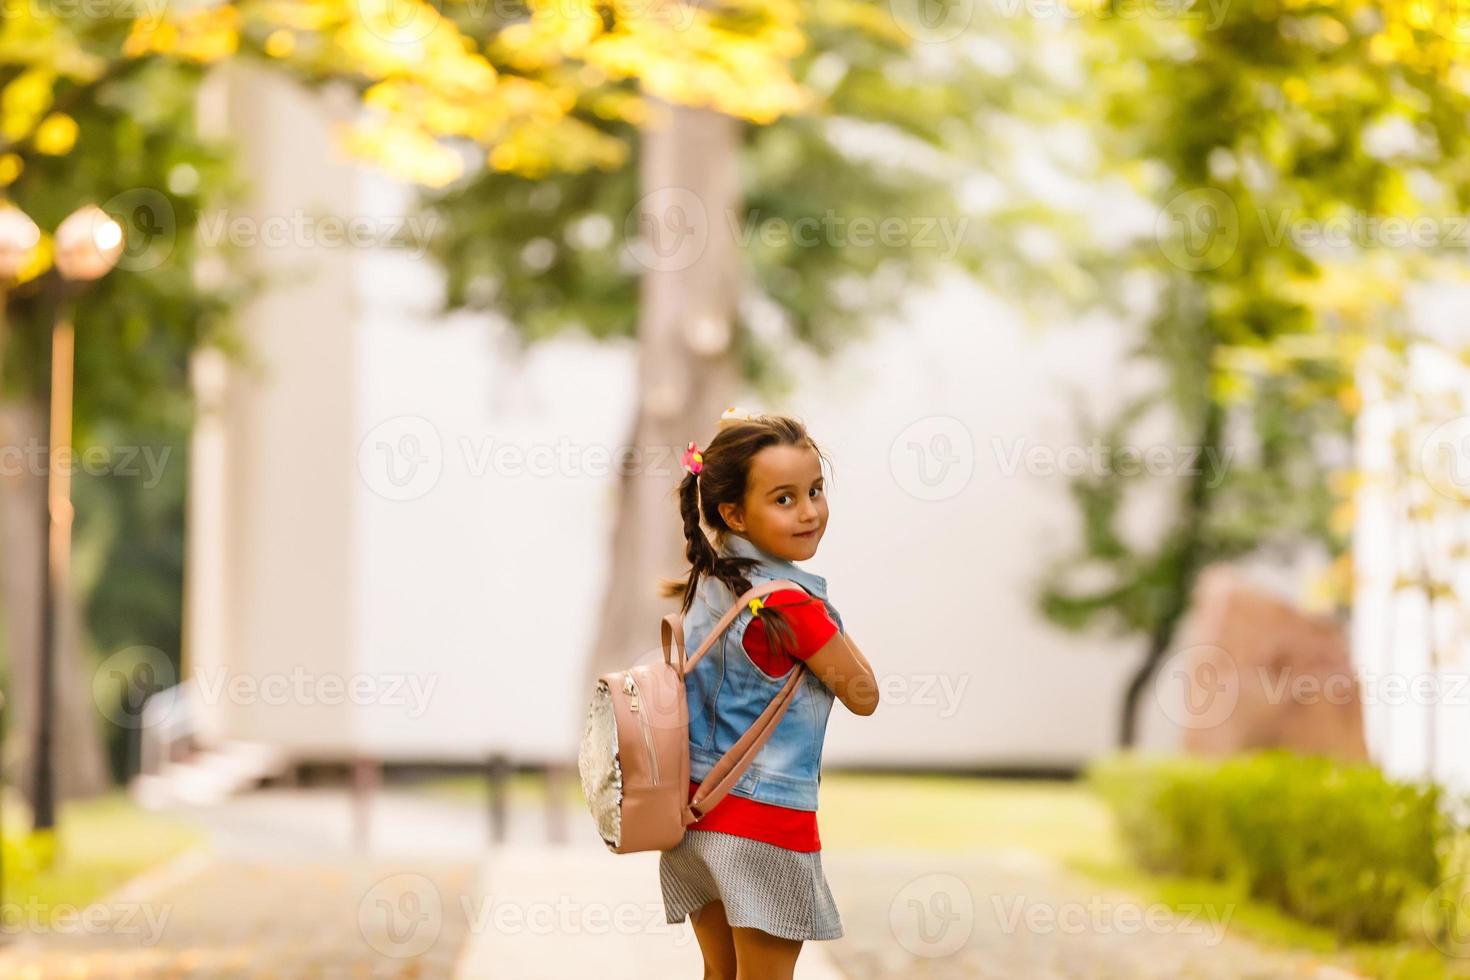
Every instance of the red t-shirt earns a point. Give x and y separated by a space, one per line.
783 826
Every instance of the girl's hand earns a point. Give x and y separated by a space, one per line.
843 668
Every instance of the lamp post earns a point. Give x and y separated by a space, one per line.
88 244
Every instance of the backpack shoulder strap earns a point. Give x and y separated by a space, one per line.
731 766
672 628
725 773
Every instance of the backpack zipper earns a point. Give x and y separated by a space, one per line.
630 687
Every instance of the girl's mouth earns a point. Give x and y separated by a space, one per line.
808 534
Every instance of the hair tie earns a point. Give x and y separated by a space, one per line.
756 605
693 459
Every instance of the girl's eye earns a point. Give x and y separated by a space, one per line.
815 491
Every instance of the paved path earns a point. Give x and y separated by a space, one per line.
283 895
245 919
281 892
554 913
1016 915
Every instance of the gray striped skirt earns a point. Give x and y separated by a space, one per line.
763 886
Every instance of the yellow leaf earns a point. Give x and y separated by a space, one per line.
24 101
281 43
56 135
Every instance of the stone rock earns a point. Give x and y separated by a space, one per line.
1260 673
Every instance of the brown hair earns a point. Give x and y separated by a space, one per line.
723 478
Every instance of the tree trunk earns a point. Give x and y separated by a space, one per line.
687 371
79 757
1188 559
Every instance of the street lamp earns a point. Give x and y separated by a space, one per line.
87 245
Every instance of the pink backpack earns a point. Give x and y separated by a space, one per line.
634 756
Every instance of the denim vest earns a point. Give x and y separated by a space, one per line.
727 691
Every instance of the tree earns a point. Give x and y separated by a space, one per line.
1248 134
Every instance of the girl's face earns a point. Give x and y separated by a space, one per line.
785 507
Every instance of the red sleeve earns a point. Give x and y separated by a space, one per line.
809 621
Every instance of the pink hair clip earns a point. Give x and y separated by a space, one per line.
693 459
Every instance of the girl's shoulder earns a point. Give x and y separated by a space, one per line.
716 597
807 615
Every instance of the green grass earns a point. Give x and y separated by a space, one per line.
1060 820
100 844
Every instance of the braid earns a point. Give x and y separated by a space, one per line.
697 549
701 555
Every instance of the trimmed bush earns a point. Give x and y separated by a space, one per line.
1332 844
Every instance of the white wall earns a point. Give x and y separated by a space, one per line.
270 581
482 582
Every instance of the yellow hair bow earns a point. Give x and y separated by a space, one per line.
756 606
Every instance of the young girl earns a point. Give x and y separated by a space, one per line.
749 873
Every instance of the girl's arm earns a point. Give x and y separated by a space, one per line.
843 668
